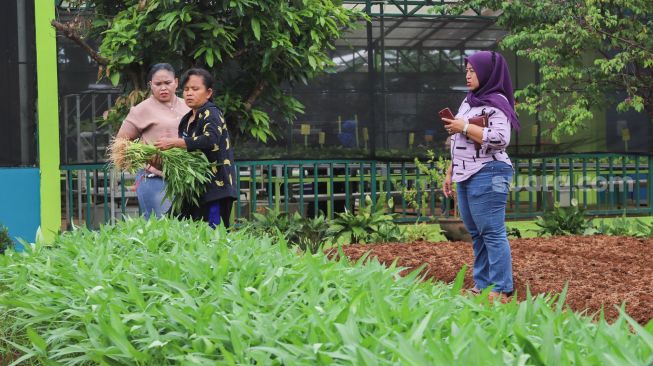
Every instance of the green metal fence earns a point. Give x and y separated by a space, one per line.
314 186
94 194
604 184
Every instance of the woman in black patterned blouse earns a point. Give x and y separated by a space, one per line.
204 129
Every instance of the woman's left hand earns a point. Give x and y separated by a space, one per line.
166 143
453 125
156 162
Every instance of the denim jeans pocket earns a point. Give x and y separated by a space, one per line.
490 183
497 187
501 184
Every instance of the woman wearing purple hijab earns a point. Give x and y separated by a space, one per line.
483 176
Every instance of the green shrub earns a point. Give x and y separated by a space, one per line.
312 233
369 225
622 226
272 223
417 232
433 173
5 239
306 233
513 232
179 293
565 221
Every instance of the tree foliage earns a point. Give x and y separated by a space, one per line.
588 52
252 47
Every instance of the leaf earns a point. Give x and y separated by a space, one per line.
115 78
209 58
312 62
37 341
256 28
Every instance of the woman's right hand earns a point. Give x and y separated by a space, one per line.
447 184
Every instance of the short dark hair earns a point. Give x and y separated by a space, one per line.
207 78
158 67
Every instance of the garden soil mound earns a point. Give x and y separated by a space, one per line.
600 270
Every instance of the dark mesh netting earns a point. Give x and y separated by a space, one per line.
380 100
18 80
388 110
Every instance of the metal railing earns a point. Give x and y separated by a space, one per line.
604 184
94 194
84 138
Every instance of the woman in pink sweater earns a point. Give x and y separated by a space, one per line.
156 117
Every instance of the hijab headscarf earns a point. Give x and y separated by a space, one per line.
494 84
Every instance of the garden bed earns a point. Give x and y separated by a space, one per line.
600 270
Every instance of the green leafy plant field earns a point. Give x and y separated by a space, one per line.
178 293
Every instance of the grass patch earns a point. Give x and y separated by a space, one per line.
527 228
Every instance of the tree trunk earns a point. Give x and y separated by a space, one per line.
258 90
71 33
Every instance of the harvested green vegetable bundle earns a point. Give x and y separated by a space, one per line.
186 173
130 156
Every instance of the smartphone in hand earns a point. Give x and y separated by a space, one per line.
446 113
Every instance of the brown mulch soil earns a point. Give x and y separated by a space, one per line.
600 270
8 359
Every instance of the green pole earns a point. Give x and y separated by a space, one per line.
517 193
316 176
47 118
270 178
373 183
332 201
649 184
88 200
301 190
238 213
347 186
286 192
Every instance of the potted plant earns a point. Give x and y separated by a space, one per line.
434 169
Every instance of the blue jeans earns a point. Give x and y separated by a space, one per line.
482 203
150 192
